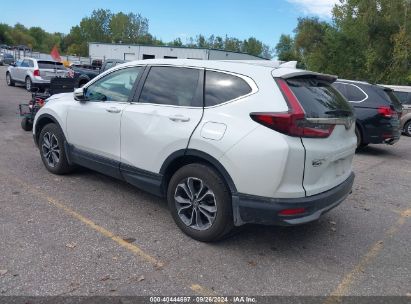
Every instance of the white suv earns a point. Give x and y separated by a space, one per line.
34 72
227 143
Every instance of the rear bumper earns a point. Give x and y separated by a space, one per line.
264 210
387 131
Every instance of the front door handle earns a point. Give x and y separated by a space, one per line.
113 110
179 118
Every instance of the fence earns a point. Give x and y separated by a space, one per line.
18 54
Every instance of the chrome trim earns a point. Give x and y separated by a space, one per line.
346 121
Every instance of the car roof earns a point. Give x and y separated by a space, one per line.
245 67
398 88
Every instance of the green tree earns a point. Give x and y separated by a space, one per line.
285 49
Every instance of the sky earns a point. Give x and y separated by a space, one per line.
265 20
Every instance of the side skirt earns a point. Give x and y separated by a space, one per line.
142 179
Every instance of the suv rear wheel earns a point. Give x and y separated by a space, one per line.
200 203
29 83
407 128
360 143
52 150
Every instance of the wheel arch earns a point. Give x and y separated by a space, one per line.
360 127
184 157
41 122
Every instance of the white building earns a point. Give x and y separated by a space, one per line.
137 52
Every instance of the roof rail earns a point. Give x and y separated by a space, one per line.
267 63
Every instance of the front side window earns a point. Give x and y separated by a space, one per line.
25 63
116 86
222 87
172 86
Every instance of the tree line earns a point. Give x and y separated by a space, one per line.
104 26
366 40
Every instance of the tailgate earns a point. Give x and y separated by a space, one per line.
50 69
328 161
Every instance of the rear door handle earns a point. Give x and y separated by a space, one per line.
179 118
113 110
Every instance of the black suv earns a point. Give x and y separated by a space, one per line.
377 111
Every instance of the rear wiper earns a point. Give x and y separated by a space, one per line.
340 112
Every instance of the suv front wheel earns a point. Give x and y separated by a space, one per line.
200 203
9 80
52 150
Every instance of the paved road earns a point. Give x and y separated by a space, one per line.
87 234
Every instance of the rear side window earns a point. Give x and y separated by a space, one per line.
50 65
319 99
354 94
402 97
222 87
341 88
172 86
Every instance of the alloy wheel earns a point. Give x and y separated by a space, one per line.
196 203
51 149
409 129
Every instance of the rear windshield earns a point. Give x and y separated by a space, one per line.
389 96
319 99
50 65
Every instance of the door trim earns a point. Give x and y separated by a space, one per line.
142 179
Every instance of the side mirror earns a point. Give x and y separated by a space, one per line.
13 64
79 94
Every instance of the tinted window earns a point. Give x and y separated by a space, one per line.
342 88
319 98
172 86
402 96
18 63
115 86
25 63
354 94
222 87
50 65
388 96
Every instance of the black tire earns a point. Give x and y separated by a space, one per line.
222 222
407 128
28 83
26 124
360 143
56 138
9 80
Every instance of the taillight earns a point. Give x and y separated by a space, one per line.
293 122
36 73
386 112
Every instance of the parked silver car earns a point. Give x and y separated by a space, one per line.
34 73
6 58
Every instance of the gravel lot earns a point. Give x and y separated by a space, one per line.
88 234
